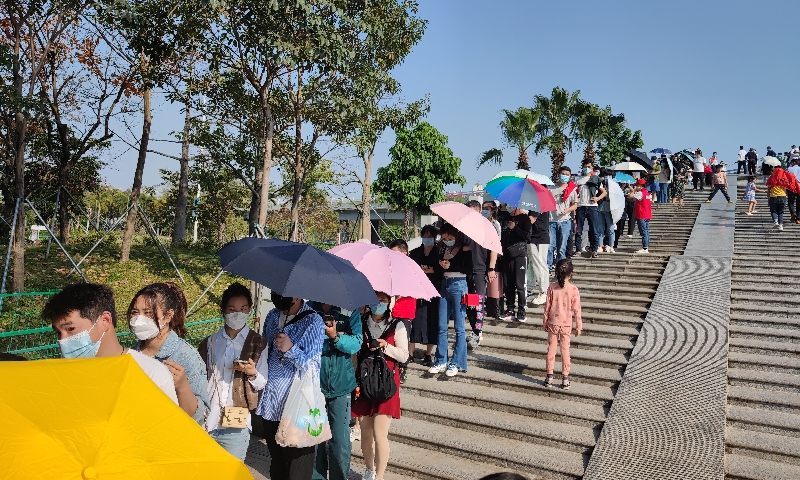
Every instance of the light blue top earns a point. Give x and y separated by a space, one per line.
306 335
179 351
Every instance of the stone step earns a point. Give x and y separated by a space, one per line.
790 301
778 423
767 277
626 331
761 361
765 333
615 291
619 300
516 382
777 448
538 349
747 288
502 452
525 428
745 467
773 400
747 345
408 461
744 377
559 408
647 284
773 311
608 314
617 273
538 336
764 321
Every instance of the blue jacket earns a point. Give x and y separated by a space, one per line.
337 377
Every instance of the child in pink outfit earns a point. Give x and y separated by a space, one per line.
563 301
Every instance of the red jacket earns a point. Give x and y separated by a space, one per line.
641 209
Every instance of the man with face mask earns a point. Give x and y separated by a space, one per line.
566 196
84 317
236 366
294 333
589 193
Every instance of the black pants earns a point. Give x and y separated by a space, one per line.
752 167
740 168
629 206
582 214
287 463
720 188
794 202
621 227
697 179
477 283
515 270
571 241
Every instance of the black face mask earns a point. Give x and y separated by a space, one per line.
282 303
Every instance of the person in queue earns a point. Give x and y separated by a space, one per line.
515 256
425 327
566 196
337 379
236 369
376 417
494 289
294 334
455 260
84 317
484 270
156 316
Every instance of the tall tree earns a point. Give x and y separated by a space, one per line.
31 28
519 131
422 164
591 124
556 117
616 140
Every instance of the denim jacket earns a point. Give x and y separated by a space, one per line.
179 351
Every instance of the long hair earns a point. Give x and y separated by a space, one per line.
166 297
563 271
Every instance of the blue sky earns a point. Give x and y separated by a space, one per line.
708 74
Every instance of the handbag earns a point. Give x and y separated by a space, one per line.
304 421
232 417
517 250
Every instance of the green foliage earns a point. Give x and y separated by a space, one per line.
556 123
519 129
616 141
422 164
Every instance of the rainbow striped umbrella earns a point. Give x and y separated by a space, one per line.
503 179
526 194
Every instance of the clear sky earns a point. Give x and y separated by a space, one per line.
709 74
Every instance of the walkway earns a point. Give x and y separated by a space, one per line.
668 417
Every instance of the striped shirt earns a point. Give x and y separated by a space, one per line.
306 336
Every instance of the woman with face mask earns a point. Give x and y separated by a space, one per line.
156 317
455 259
425 327
236 368
384 333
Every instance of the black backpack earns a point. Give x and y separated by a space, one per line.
374 376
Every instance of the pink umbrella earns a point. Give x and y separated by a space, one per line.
470 223
388 271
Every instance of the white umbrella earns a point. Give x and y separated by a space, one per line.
616 200
629 167
772 161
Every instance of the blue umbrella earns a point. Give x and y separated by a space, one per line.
660 151
624 178
298 270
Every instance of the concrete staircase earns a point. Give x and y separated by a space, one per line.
763 425
498 416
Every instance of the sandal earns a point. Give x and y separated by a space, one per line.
548 381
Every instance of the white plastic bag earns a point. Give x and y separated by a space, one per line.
304 422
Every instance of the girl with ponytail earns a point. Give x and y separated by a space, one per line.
563 302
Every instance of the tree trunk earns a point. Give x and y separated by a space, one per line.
295 212
416 223
406 223
64 224
18 251
589 153
366 223
130 223
179 224
64 167
558 160
267 132
252 215
522 161
222 233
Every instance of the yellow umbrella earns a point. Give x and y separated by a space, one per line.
100 419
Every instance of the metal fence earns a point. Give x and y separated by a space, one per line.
24 332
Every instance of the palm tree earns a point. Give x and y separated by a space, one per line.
556 124
519 131
591 125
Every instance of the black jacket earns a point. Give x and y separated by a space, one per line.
540 230
520 233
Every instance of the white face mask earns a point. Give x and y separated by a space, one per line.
236 320
144 327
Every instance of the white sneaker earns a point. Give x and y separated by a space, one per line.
629 236
610 250
437 368
643 250
452 370
540 299
775 225
368 475
780 227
